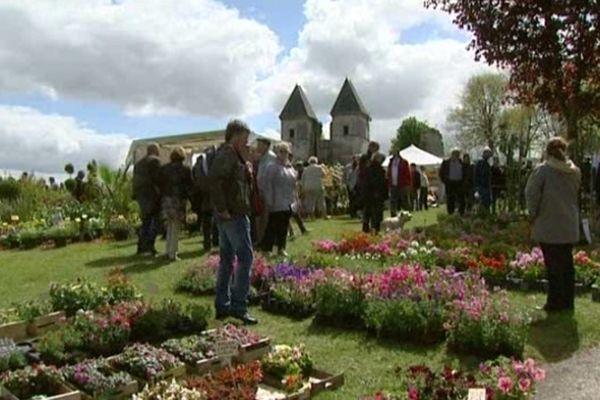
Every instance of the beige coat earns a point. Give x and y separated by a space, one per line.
552 201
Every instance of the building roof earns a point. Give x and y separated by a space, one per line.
297 106
190 141
348 102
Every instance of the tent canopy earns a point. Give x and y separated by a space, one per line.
413 154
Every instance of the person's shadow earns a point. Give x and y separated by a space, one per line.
556 337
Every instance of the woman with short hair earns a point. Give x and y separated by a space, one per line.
176 184
552 201
280 198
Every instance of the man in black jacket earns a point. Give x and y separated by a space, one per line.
146 183
231 176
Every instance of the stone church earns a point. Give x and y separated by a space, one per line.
349 128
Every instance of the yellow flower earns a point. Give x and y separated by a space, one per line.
5 224
84 216
77 219
120 216
14 218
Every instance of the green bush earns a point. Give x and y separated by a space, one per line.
10 190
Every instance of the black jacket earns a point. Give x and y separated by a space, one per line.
176 179
375 189
231 182
146 184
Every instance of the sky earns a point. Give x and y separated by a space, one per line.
81 79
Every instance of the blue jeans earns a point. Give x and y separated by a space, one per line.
234 240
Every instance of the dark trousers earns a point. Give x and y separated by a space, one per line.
423 193
299 222
399 199
148 231
210 231
372 217
277 230
455 195
352 209
561 276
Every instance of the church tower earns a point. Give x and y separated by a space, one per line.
300 126
349 125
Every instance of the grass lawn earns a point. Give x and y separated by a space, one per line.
368 362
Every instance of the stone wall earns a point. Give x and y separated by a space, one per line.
302 134
349 135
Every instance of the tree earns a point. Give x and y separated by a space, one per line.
478 118
69 169
550 48
409 133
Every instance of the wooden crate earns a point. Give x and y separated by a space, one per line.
20 330
205 366
173 373
14 330
266 392
65 393
46 323
253 351
122 393
321 381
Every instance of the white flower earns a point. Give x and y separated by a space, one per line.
429 243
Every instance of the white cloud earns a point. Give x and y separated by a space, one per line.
149 57
33 141
362 39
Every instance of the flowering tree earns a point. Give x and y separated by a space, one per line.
551 48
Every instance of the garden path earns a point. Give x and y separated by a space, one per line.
576 378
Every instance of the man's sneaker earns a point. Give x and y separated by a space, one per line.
246 318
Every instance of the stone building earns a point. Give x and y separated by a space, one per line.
349 128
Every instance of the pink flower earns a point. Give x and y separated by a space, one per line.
524 384
505 384
413 393
539 375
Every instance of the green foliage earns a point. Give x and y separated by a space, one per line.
409 133
69 168
406 319
478 118
10 190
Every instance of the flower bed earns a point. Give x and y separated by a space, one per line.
148 363
40 380
240 383
169 390
97 379
502 379
339 300
198 352
287 367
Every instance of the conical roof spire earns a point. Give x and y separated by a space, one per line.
297 105
348 102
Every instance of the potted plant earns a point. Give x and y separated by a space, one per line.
169 390
120 228
198 352
287 368
11 356
97 379
40 380
148 363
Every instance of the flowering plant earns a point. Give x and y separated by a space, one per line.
528 266
290 365
356 244
96 377
586 269
231 332
239 383
39 380
339 298
198 280
146 361
11 356
424 254
485 324
168 390
506 379
191 349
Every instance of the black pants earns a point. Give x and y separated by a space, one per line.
454 195
277 229
423 193
299 222
561 276
351 202
147 233
372 217
210 232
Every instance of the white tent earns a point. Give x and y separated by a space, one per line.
413 154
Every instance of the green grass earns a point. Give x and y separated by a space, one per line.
368 363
